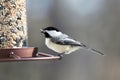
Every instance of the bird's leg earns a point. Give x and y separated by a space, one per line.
61 56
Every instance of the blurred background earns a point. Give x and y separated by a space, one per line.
93 22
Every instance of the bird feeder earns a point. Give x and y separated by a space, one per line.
13 34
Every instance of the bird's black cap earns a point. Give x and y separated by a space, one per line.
50 28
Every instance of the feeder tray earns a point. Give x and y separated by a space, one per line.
24 54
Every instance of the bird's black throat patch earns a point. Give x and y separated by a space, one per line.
47 35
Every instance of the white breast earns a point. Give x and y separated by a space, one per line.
60 48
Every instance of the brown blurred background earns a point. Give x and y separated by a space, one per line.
93 22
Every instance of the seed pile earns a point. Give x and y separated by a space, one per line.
13 29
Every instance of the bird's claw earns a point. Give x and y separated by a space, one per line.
61 56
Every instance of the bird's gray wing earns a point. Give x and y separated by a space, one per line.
65 40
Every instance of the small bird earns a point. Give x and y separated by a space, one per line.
62 43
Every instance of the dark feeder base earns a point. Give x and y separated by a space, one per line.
24 54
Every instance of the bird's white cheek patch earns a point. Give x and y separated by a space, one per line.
54 33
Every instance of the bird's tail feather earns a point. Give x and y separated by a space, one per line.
94 50
91 49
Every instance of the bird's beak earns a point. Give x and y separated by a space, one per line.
42 31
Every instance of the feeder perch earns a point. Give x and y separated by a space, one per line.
13 34
24 54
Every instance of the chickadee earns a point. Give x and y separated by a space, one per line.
62 43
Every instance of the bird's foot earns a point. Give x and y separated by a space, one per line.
61 56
